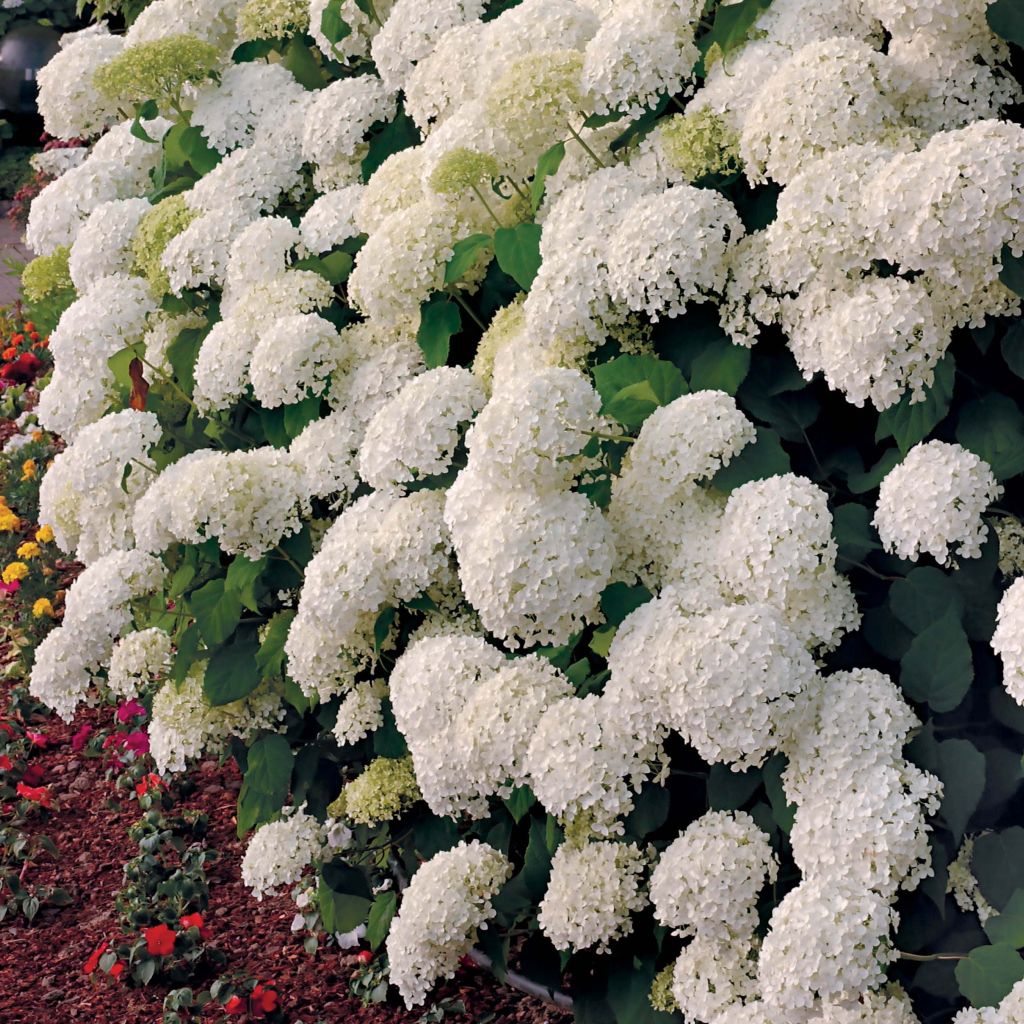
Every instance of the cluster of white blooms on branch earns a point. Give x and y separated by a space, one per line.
442 312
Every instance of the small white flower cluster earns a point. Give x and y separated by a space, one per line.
592 892
88 494
184 724
933 501
963 886
1008 639
97 612
137 660
446 904
361 712
280 851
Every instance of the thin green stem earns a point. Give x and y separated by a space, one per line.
593 156
487 206
281 553
454 293
625 438
522 194
923 958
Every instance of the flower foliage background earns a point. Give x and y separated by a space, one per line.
569 452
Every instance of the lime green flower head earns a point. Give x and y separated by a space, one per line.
272 19
462 169
157 227
385 789
156 70
700 143
47 275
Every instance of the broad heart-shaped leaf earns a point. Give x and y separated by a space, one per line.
759 460
619 600
908 423
216 611
267 776
1006 19
856 537
518 252
242 578
464 255
299 60
340 911
861 483
1012 274
988 974
333 25
270 656
924 595
1007 927
629 990
199 152
231 672
548 164
961 768
398 134
996 863
729 790
722 366
439 320
384 908
665 383
937 669
732 24
1012 347
993 428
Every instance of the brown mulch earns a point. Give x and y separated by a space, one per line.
41 978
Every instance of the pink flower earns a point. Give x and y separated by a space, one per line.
129 710
10 588
79 740
37 739
137 742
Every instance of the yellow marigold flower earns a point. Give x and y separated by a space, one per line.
37 435
14 571
30 549
8 521
44 534
29 469
42 607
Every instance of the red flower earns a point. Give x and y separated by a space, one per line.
37 739
7 728
159 940
29 326
195 921
129 710
17 339
364 957
137 742
23 369
236 1004
150 781
117 970
37 794
79 740
264 1000
5 763
34 335
33 775
94 959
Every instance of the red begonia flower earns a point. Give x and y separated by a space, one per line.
159 940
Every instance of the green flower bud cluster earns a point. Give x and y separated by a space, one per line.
156 229
272 19
462 169
47 275
700 144
382 792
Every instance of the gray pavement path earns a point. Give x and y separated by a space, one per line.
12 246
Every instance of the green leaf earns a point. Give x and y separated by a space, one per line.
629 986
299 60
764 458
231 672
242 578
732 25
961 768
216 611
384 908
265 786
721 366
518 252
601 641
861 483
145 112
783 811
616 383
996 862
199 152
1007 927
333 25
396 135
439 320
856 537
182 353
937 669
729 790
993 428
1012 348
519 802
253 49
923 596
1012 274
988 974
270 656
619 600
650 811
1006 19
548 164
464 255
341 912
908 423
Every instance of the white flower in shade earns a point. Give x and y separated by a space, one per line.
103 245
447 903
137 660
326 452
591 894
361 712
933 502
1008 639
331 220
712 978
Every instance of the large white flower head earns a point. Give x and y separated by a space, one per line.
211 20
708 880
260 253
103 244
184 724
96 613
592 892
1008 639
933 502
69 102
137 660
331 220
533 565
414 436
326 451
280 851
89 493
248 500
827 95
776 547
447 903
712 977
795 966
293 359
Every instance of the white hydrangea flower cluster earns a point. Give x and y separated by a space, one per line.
446 904
361 712
89 493
103 245
592 892
184 725
137 660
97 612
963 886
933 501
280 851
1008 639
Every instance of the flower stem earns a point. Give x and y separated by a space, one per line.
593 156
487 206
454 293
